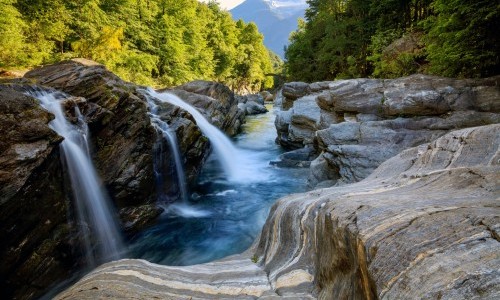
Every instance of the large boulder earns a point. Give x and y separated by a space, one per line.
221 107
251 104
424 225
357 124
37 241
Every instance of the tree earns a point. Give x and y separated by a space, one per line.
463 38
154 42
332 42
12 40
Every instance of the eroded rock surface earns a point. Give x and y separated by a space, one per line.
425 224
38 244
36 247
357 124
221 107
124 139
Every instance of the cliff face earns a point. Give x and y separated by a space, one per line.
36 201
34 232
425 224
357 124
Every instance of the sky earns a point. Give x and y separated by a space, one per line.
227 4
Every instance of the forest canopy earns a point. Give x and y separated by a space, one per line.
151 42
392 38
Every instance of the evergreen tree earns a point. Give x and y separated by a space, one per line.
390 38
463 38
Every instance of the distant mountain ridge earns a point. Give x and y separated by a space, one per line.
275 19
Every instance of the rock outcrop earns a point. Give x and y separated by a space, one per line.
219 104
425 224
252 104
124 139
36 246
357 124
35 200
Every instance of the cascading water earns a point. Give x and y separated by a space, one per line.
91 202
164 129
229 156
228 214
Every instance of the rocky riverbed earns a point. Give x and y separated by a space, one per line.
425 224
406 204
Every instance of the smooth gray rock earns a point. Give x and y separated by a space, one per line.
295 90
304 121
252 104
267 96
424 224
363 122
252 108
300 158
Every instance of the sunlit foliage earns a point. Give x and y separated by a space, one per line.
154 42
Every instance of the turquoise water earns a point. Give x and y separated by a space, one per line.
223 217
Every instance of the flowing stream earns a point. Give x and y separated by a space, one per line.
228 208
102 238
229 156
163 128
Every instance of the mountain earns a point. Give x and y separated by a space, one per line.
275 19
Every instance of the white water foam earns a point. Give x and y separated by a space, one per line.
91 200
239 165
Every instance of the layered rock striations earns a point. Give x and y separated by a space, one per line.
38 244
424 224
357 124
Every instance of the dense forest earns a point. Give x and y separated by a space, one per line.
391 38
152 42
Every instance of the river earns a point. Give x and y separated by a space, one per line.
223 217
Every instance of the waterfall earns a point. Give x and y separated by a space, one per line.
92 205
228 155
163 128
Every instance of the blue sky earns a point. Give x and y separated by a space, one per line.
227 4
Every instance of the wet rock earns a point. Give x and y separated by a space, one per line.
423 225
224 109
252 108
26 139
123 141
300 158
34 207
267 96
136 218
